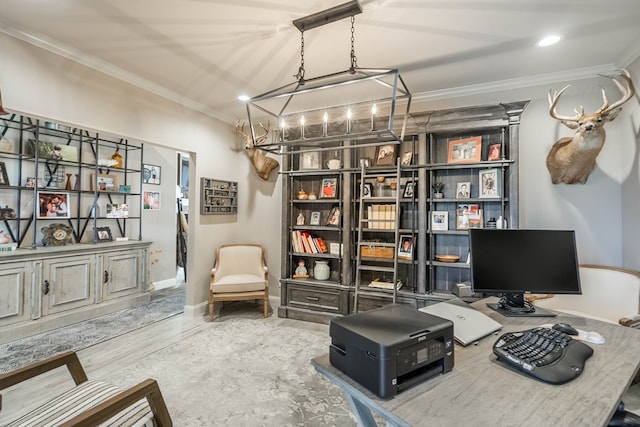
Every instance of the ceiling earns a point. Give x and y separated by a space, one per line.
205 53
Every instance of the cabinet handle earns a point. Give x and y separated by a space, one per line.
46 287
313 298
105 278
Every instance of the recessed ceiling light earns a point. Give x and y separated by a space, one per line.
548 41
243 98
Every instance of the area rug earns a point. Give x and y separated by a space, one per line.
245 370
81 335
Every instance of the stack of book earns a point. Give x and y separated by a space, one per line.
381 217
8 247
303 242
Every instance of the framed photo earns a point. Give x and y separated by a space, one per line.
439 220
490 183
405 250
50 150
386 155
468 216
30 182
53 205
315 218
463 190
117 210
103 234
494 152
406 158
335 248
367 189
151 174
122 188
104 182
334 216
310 160
409 190
465 150
4 178
329 188
151 200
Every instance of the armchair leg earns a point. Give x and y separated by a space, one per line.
210 307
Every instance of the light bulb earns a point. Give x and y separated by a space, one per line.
349 114
302 120
325 117
374 109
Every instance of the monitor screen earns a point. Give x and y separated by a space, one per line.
515 262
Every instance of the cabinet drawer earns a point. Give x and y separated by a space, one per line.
314 298
369 302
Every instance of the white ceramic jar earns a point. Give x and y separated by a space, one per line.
321 271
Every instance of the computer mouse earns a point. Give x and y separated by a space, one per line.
567 329
594 338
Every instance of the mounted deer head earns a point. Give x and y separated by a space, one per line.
572 159
261 163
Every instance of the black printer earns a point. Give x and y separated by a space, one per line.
391 348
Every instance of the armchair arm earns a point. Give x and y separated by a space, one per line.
148 388
632 323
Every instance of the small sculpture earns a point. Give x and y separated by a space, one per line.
301 271
300 219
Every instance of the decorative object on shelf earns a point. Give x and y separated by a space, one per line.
76 183
439 220
312 195
468 216
30 182
329 188
409 190
334 216
7 213
52 151
335 248
103 234
53 205
123 188
367 189
406 158
315 218
4 178
302 195
151 174
301 271
490 183
300 219
117 159
405 250
334 162
57 234
94 211
494 152
572 159
463 190
465 150
4 238
447 258
103 182
321 270
491 223
386 155
117 210
351 104
262 164
151 200
437 187
6 145
67 185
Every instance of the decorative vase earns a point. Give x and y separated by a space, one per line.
76 184
67 186
117 159
321 271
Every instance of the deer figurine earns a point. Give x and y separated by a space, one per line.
261 163
572 159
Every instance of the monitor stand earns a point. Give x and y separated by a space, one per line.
514 305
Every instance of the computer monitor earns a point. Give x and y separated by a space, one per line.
515 262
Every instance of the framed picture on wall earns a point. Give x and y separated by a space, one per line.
465 150
490 183
151 174
151 200
53 205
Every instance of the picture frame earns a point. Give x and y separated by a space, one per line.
490 183
465 150
406 158
463 190
53 205
30 182
439 220
104 182
494 152
409 190
335 248
386 155
367 189
334 216
315 218
124 188
151 174
52 151
468 216
405 249
4 178
103 234
117 210
310 160
151 200
329 188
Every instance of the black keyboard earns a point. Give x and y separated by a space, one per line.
546 354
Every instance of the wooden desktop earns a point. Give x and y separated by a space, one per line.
482 391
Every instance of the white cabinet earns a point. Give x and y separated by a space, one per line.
67 283
15 292
122 273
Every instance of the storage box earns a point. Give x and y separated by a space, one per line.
377 252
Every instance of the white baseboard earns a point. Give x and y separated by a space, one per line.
197 310
163 284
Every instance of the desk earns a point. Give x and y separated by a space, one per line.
480 391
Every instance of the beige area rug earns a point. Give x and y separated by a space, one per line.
245 370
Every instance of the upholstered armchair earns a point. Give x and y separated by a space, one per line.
239 274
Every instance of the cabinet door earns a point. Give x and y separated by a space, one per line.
15 293
68 283
122 274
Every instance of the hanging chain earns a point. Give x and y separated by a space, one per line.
354 60
300 75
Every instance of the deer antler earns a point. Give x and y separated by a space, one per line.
553 102
627 91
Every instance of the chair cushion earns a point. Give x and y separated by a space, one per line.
79 399
238 283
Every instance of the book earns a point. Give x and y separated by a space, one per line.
8 247
377 283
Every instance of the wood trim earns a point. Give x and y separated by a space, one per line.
68 359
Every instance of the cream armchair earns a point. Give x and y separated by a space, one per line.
239 274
